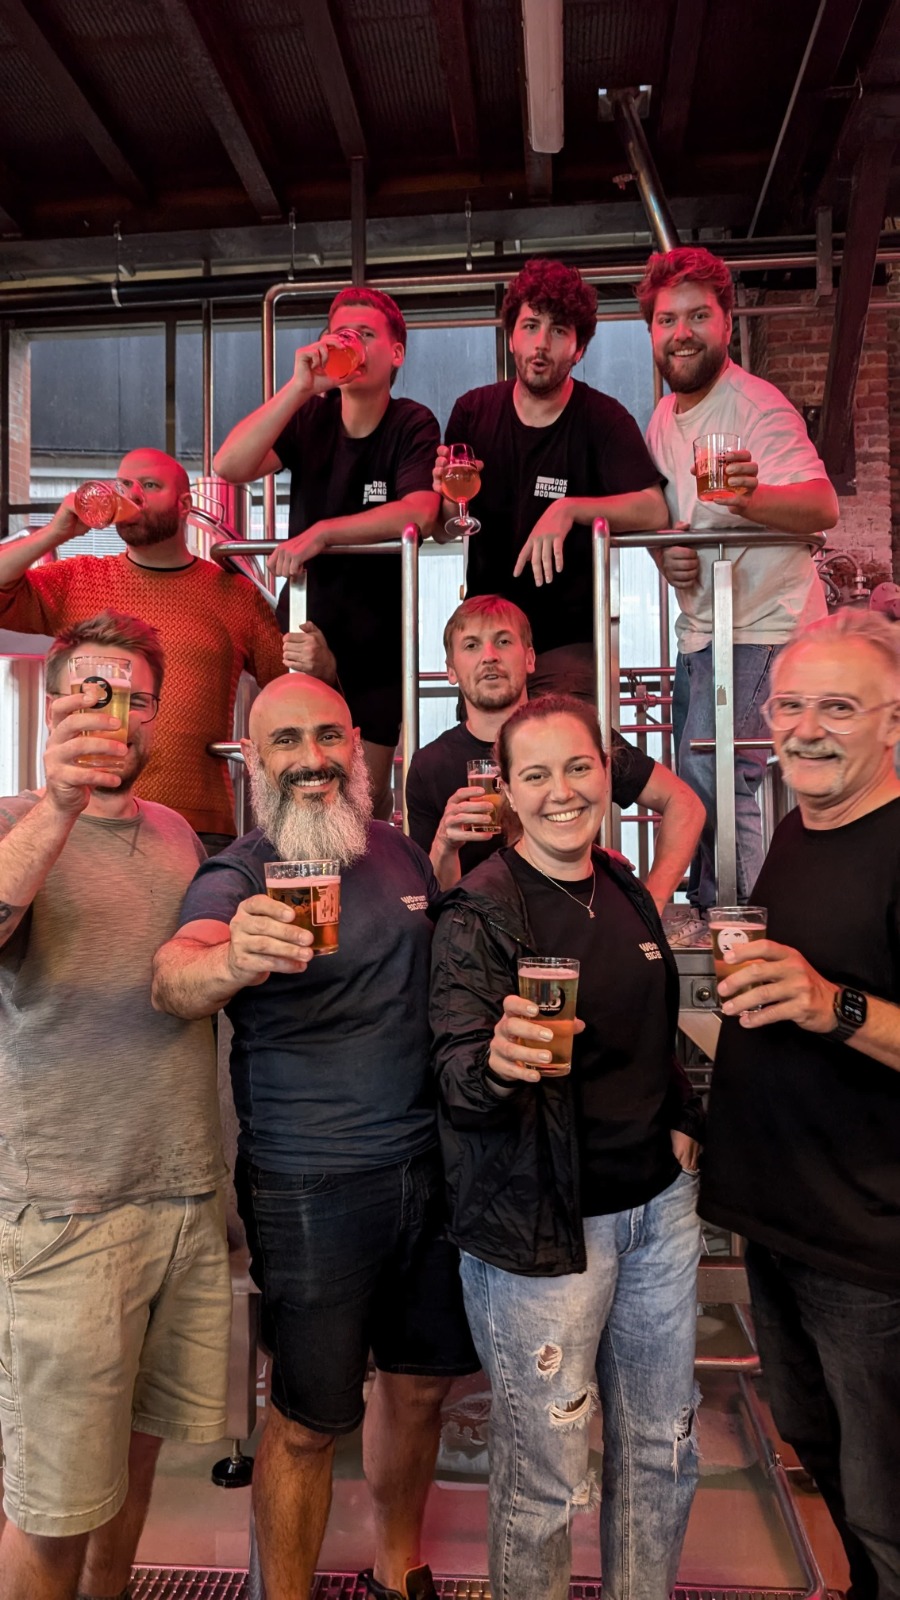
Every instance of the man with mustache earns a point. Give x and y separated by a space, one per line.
338 1178
556 454
214 625
778 483
803 1143
487 643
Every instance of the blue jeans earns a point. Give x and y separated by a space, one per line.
693 717
624 1330
831 1358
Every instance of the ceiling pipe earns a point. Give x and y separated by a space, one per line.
640 159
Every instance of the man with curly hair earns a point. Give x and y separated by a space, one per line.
556 455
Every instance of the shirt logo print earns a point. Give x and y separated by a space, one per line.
375 493
415 902
550 488
651 950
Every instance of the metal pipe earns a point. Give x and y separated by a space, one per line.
409 592
207 380
643 166
723 706
600 541
358 219
789 111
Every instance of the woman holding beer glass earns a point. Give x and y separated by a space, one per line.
571 1197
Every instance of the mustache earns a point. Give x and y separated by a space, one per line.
289 780
811 747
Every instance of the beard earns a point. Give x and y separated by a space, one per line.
687 378
151 527
542 384
493 694
313 828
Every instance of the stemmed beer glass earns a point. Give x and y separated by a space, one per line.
462 481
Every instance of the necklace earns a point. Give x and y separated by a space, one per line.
558 885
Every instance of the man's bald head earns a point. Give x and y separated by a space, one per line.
298 701
159 487
145 462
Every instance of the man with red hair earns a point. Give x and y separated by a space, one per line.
777 484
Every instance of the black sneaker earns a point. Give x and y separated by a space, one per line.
419 1585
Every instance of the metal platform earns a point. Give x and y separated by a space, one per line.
199 1583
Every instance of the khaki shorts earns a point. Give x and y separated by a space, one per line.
108 1323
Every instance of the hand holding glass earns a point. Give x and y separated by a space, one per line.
312 889
112 677
551 983
462 481
485 774
712 453
733 928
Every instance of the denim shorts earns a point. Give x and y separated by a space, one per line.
347 1262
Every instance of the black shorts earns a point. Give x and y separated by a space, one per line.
347 1262
376 709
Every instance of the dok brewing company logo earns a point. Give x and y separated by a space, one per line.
550 488
375 493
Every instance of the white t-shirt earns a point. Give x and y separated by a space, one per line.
774 589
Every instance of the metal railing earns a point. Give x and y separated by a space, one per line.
407 546
607 601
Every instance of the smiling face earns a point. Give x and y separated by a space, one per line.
690 334
490 663
557 785
827 769
544 351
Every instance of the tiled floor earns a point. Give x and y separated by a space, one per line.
736 1536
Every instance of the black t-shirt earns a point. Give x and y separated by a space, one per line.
803 1144
329 1067
439 769
622 1063
355 600
594 448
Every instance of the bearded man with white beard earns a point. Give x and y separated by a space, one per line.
338 1177
802 1153
776 483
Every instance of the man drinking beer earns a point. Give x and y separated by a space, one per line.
338 1177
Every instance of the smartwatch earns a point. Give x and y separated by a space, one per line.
850 1011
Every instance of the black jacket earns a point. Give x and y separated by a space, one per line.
511 1160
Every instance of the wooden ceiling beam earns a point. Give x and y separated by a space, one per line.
71 97
688 25
332 76
219 87
456 61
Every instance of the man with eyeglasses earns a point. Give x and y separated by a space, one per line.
214 625
803 1143
115 1293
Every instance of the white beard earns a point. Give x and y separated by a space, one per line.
308 827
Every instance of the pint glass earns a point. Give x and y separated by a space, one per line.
485 774
733 928
551 983
112 676
313 891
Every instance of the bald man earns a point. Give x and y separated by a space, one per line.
338 1177
213 626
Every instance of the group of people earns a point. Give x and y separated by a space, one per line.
413 1182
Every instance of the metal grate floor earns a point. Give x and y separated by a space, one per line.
184 1583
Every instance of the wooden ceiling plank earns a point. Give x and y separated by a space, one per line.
456 60
213 75
71 97
688 24
332 77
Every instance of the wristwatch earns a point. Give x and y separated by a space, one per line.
850 1011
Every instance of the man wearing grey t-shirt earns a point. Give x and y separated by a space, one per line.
115 1310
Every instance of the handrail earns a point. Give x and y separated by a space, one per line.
607 612
407 546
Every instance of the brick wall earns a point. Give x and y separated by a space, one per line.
19 423
791 350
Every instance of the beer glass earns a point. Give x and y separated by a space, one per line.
733 927
313 891
462 481
343 359
712 452
112 675
551 983
99 504
485 774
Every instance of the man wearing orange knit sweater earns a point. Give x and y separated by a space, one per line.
213 625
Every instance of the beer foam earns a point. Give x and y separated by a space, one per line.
548 974
300 883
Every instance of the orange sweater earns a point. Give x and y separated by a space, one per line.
213 625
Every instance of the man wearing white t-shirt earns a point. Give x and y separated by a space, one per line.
779 484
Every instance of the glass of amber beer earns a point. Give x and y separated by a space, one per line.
342 360
712 453
551 983
733 927
485 774
312 889
112 677
462 481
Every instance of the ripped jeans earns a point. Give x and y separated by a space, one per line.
623 1331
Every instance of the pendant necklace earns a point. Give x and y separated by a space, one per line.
571 896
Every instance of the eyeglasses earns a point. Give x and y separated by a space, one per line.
142 705
835 713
